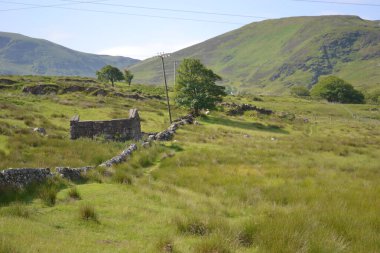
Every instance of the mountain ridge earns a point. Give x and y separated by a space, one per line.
23 55
272 55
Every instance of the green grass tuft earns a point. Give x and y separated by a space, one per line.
87 213
73 193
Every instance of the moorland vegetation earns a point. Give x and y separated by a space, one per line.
302 179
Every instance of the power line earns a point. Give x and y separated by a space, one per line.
173 10
34 6
342 3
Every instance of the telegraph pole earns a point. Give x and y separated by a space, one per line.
162 56
175 73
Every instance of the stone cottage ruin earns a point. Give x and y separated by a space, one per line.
116 129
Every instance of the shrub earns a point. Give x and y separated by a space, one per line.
334 89
87 212
299 91
373 97
74 193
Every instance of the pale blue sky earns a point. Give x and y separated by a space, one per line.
106 27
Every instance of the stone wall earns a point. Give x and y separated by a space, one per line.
117 129
21 177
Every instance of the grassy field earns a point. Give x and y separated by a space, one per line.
306 179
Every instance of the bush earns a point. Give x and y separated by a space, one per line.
373 97
300 91
87 212
334 89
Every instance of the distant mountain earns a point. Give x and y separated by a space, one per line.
23 55
273 55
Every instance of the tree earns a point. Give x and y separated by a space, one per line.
299 91
335 89
128 76
196 88
110 73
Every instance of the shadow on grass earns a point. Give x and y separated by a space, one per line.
27 194
245 125
175 147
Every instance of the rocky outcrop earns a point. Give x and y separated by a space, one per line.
22 177
73 88
236 109
7 81
41 89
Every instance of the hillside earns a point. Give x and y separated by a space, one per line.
23 55
305 178
272 55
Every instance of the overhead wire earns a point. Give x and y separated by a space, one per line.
171 10
341 3
37 6
63 6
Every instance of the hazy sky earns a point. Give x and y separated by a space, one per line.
140 29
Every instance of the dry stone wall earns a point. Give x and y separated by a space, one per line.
22 177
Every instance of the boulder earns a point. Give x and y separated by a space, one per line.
41 89
40 130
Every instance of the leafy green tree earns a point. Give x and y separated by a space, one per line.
128 76
334 89
196 88
300 91
110 73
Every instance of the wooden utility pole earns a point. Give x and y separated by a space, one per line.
162 56
175 73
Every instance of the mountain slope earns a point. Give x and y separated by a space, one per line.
272 55
24 55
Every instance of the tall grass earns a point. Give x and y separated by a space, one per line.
17 209
7 247
87 213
